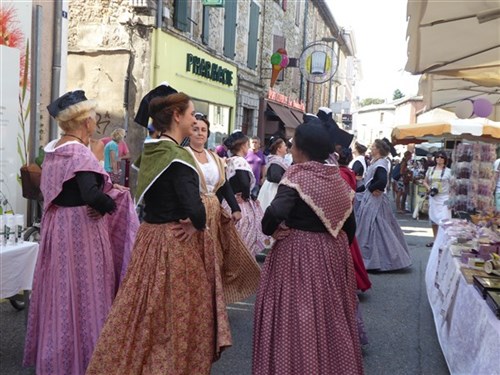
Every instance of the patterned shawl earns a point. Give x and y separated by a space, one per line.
157 156
324 190
275 159
60 165
235 163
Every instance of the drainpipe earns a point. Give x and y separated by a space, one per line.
56 63
36 75
261 127
304 45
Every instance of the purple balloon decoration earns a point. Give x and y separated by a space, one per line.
482 107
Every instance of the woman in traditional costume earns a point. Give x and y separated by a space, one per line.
437 183
305 311
237 272
275 169
80 261
242 180
164 318
358 166
379 235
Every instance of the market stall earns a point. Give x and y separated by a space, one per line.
466 318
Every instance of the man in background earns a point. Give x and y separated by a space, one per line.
255 157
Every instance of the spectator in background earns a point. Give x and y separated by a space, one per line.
404 181
430 161
255 157
221 150
123 151
111 155
152 134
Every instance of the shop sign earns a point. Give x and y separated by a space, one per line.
285 100
213 3
205 68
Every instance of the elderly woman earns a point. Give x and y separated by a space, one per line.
437 183
379 235
304 319
80 262
275 169
165 318
236 268
112 155
242 180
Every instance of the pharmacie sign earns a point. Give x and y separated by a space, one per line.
207 69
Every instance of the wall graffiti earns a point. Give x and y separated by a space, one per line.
103 121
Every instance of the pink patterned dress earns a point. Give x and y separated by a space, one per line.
80 264
305 311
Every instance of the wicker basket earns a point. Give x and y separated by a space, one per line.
30 180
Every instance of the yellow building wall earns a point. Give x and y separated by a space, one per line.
169 64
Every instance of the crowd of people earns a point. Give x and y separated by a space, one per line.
112 295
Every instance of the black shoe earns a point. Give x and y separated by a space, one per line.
430 244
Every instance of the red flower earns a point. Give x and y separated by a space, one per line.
12 36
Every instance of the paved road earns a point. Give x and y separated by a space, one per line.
396 312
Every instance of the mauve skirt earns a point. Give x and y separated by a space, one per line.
305 311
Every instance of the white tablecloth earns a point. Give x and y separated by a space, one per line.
467 329
17 264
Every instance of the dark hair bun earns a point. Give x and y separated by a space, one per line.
313 139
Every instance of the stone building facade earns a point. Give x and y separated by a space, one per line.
119 49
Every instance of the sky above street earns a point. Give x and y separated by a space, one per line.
380 38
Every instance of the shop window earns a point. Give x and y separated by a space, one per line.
253 35
230 10
219 117
206 25
182 11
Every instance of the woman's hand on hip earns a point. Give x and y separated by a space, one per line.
282 232
184 230
236 216
93 213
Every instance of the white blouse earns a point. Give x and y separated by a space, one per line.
210 171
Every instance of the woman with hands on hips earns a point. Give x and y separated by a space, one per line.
80 261
305 310
164 320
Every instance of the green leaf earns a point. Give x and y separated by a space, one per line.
28 110
19 151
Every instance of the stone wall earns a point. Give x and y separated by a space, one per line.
108 42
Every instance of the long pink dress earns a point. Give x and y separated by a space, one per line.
78 269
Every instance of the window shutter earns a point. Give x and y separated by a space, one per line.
206 25
181 21
253 36
230 8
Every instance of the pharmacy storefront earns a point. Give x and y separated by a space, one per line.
209 81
